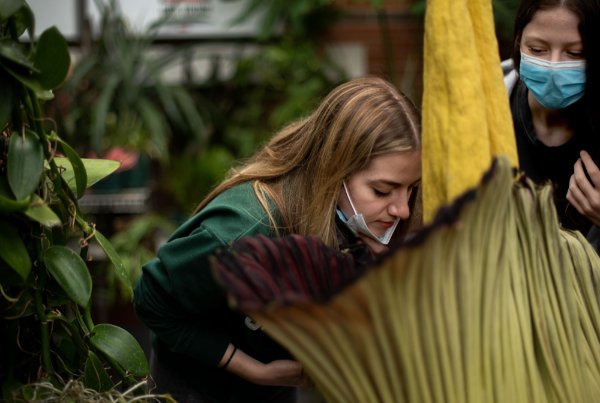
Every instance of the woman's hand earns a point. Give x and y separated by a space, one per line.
584 194
274 373
282 373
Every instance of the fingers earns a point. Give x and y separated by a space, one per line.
583 194
591 168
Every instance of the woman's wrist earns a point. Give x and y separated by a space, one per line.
224 365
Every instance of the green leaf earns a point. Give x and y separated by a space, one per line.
95 376
116 260
30 80
52 58
96 169
13 52
8 204
78 167
13 250
42 213
24 20
25 163
71 273
120 347
9 7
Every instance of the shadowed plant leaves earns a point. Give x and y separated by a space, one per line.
70 272
96 169
40 211
117 262
120 347
13 250
52 58
79 170
9 7
25 163
95 375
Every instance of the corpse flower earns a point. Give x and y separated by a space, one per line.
492 301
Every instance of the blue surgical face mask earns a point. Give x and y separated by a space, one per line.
357 224
555 85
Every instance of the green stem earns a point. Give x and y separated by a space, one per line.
87 317
44 325
60 185
75 334
36 122
8 338
82 323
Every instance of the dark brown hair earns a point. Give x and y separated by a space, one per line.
588 13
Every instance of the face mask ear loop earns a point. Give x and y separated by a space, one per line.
349 198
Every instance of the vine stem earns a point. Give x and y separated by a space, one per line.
44 325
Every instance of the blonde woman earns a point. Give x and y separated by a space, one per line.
346 173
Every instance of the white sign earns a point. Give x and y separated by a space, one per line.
188 19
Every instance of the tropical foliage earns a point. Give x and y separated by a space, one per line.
47 333
117 95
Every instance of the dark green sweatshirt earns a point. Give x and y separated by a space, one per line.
186 310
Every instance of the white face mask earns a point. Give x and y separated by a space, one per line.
357 223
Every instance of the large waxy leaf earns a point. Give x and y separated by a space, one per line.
94 375
70 272
96 169
120 347
25 163
116 260
52 58
78 167
13 250
39 211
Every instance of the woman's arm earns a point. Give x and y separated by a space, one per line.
275 373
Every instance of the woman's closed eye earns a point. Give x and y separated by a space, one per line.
380 193
536 51
575 54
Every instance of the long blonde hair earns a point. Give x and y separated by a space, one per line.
302 167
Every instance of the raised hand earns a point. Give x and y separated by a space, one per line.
584 190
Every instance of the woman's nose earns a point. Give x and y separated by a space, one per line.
399 207
558 55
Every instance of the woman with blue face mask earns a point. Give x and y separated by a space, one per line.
553 82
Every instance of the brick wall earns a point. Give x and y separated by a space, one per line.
361 25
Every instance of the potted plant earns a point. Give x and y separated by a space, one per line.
116 103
